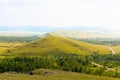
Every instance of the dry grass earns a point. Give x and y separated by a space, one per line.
4 46
60 75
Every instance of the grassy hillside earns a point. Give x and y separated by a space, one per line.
116 48
53 44
52 75
4 46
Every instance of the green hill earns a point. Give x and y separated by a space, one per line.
54 44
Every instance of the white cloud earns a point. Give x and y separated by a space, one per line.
61 12
4 2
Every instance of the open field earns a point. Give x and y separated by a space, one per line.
52 75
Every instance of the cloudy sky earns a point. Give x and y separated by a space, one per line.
22 14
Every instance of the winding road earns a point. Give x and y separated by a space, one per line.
113 52
98 65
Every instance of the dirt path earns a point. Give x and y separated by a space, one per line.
113 52
98 65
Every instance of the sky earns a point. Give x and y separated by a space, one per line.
38 15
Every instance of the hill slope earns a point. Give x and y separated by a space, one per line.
54 44
53 75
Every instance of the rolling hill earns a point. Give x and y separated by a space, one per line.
56 44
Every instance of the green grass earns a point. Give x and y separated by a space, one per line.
52 75
4 46
53 44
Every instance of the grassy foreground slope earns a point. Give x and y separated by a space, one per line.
53 75
54 44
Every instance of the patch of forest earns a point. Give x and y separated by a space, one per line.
101 41
17 39
65 62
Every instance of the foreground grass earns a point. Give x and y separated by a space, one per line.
56 75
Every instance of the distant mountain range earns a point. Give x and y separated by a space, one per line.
65 33
52 29
86 34
71 32
20 34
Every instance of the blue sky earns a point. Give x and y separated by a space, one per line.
49 15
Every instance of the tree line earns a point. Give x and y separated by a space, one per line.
101 41
67 62
17 39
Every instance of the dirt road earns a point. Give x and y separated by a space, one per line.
113 52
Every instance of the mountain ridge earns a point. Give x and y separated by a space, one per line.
86 34
51 44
